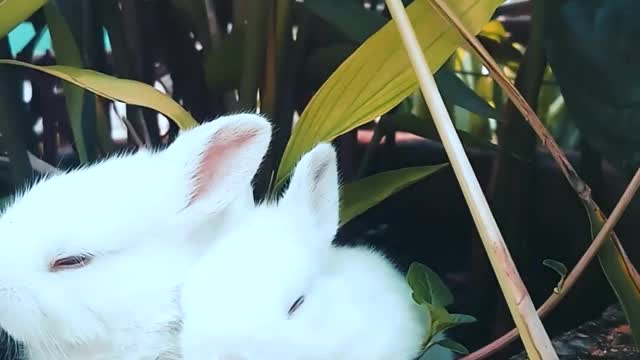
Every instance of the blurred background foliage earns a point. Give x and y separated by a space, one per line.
575 61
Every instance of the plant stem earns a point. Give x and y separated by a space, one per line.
535 338
555 298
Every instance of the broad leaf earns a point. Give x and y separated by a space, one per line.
13 12
378 76
429 288
359 196
127 91
349 17
592 50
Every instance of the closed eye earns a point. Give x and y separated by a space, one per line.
70 262
296 305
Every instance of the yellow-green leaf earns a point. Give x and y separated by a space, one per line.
378 76
127 91
13 12
358 196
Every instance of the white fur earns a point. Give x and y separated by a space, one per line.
357 304
137 214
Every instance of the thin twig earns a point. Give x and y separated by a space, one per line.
555 298
535 338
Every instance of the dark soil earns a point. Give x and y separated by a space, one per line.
605 338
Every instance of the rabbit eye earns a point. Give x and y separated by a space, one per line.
296 305
70 262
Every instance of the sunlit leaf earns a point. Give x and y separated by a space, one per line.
358 196
127 91
378 76
13 12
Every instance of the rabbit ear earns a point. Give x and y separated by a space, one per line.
314 188
218 160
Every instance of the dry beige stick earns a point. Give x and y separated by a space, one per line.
536 341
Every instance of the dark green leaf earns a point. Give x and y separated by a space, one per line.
590 52
80 105
429 288
426 128
455 91
463 319
349 17
359 196
223 69
452 345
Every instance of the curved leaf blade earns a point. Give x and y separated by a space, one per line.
358 196
127 91
378 76
429 288
16 11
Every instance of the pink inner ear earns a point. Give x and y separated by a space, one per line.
214 160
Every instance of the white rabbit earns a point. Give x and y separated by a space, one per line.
91 261
274 287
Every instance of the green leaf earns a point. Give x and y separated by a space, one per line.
463 319
16 11
81 108
223 71
127 91
349 17
378 76
588 50
427 129
455 91
622 279
557 266
358 196
453 346
428 288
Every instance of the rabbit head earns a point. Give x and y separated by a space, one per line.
90 260
255 277
274 287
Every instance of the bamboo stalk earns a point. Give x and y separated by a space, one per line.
535 339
